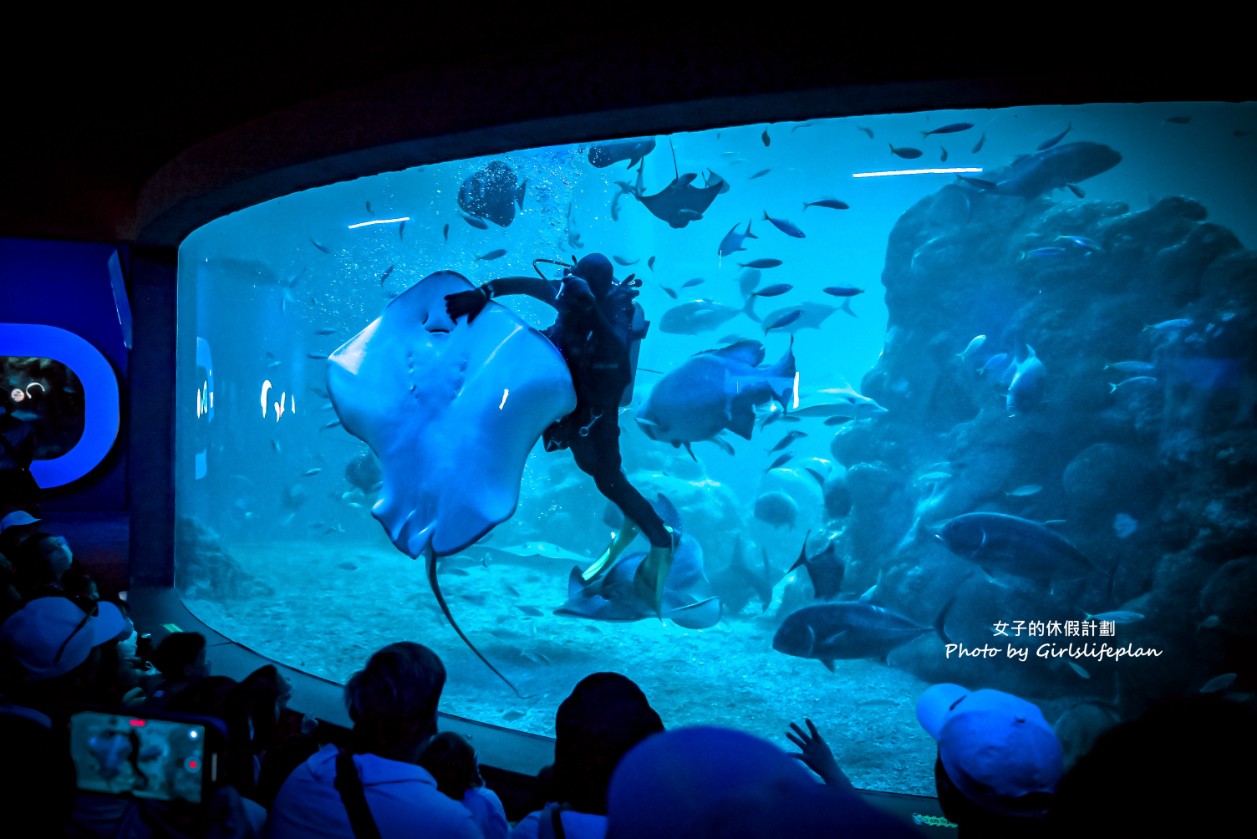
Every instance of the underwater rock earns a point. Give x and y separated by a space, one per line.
1105 479
837 495
776 508
1229 596
881 511
206 569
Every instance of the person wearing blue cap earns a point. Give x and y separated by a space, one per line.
998 760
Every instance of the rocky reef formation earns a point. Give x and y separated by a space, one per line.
1085 367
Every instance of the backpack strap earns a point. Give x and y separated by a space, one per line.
349 785
550 825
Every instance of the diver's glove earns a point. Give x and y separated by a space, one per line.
577 292
469 303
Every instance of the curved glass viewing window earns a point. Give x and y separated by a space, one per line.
960 396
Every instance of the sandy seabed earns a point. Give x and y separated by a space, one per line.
333 606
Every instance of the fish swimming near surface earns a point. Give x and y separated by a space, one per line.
849 629
609 154
977 147
493 193
831 203
824 569
950 128
688 598
732 242
1010 546
906 152
785 226
714 390
1056 167
698 316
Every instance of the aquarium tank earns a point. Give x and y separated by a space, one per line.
951 396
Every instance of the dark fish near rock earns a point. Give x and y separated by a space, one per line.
1026 389
831 203
493 193
848 629
1010 545
608 154
824 569
787 440
714 390
1056 167
780 461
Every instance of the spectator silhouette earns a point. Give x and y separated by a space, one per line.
1180 769
49 650
453 762
181 659
604 716
392 703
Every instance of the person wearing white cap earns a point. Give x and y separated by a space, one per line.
998 760
49 650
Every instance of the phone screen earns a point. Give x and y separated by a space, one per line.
145 757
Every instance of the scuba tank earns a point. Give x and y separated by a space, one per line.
636 333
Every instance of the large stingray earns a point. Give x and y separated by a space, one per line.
452 410
688 598
681 202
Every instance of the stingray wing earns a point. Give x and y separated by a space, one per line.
451 409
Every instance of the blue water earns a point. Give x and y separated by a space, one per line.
287 558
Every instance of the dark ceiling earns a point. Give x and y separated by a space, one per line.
92 114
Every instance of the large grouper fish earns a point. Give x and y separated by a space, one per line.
713 390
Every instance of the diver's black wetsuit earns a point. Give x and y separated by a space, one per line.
593 332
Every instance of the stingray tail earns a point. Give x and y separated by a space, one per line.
429 561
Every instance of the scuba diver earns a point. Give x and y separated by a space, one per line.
594 332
